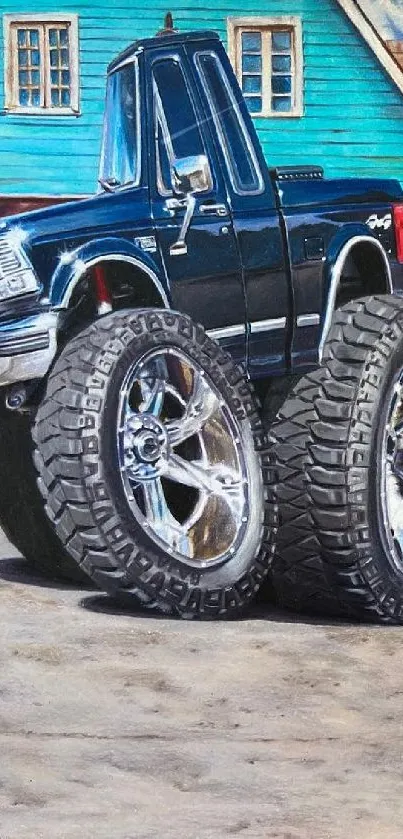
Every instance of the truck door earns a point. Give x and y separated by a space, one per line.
254 214
206 280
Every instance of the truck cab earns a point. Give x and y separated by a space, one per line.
190 216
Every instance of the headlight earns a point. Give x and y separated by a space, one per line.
16 273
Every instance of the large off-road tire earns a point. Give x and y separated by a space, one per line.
22 517
149 451
336 476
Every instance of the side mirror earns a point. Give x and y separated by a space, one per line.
191 174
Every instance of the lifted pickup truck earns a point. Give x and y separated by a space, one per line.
156 473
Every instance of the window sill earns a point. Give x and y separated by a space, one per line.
284 115
43 112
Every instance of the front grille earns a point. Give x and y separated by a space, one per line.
15 345
9 259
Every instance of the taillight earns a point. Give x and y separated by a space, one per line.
398 222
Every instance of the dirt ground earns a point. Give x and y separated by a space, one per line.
128 726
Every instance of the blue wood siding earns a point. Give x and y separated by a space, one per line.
353 120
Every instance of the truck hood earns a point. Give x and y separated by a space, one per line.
76 220
338 192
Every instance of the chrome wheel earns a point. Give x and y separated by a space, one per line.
391 474
183 467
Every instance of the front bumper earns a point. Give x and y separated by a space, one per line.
27 347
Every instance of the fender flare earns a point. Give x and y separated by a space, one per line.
73 265
334 269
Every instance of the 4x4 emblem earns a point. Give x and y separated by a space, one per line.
375 223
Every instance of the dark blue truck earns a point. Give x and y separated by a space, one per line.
156 472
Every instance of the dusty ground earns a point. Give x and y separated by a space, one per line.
120 726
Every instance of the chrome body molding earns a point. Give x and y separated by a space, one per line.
80 267
27 347
267 325
227 331
312 319
336 275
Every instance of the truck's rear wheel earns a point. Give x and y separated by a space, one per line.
149 451
337 477
22 517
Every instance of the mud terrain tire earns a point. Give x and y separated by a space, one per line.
22 517
102 521
336 551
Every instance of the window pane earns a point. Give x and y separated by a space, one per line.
35 58
64 37
65 97
64 57
183 128
251 84
34 38
35 77
65 77
254 104
23 78
281 103
251 42
55 98
252 63
24 97
23 58
281 84
54 77
231 130
53 37
163 154
36 98
281 41
281 63
119 157
21 37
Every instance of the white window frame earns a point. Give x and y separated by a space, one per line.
266 25
11 86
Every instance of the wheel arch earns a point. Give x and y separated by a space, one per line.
357 247
74 265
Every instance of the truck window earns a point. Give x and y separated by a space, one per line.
120 155
164 153
177 133
236 145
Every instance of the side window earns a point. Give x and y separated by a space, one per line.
232 133
177 133
164 153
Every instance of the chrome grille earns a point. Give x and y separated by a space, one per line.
10 261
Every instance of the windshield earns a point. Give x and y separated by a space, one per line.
120 155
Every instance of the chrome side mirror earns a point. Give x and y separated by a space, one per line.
191 174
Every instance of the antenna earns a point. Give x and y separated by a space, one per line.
168 25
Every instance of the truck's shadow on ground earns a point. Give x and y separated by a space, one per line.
18 570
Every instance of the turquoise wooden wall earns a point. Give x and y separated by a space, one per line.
353 122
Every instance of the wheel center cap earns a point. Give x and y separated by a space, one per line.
147 440
147 445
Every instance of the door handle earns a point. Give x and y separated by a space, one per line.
188 204
213 209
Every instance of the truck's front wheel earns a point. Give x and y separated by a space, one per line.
149 450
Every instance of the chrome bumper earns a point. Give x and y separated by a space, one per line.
27 347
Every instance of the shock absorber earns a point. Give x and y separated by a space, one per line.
102 294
